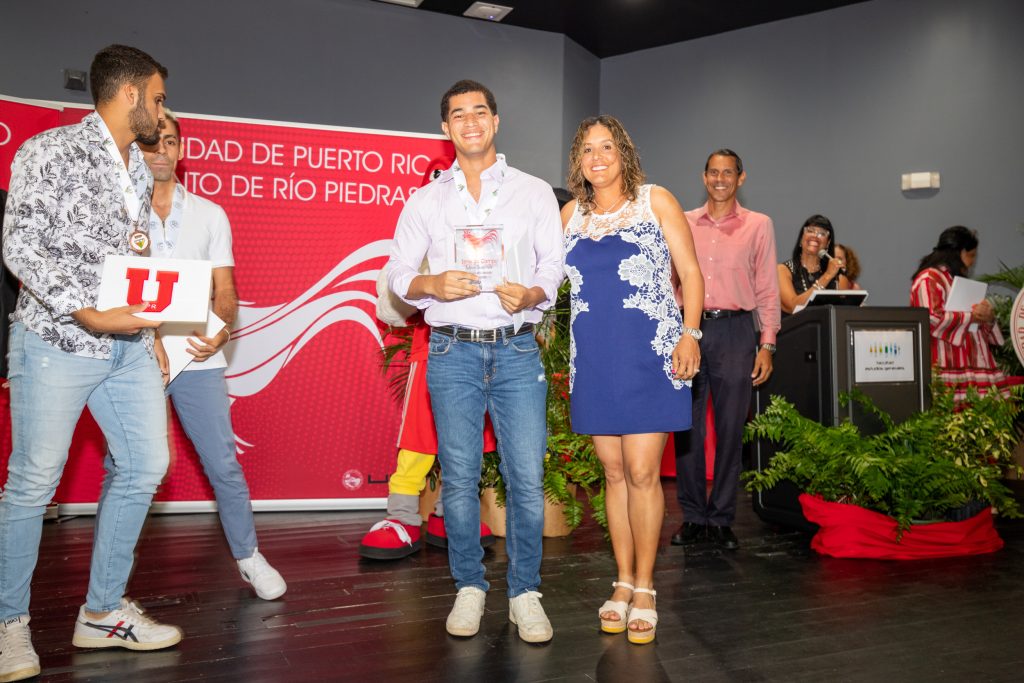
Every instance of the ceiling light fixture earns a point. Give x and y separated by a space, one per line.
405 3
487 11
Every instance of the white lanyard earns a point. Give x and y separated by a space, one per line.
478 211
164 233
132 200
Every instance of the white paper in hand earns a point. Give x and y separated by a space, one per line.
175 338
964 294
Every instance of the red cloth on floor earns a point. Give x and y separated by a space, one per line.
853 531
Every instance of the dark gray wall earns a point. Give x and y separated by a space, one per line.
337 62
829 109
580 98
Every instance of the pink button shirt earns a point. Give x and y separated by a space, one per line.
737 258
528 213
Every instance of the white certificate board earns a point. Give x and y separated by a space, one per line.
177 290
883 356
175 338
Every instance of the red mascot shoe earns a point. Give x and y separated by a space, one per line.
437 537
390 540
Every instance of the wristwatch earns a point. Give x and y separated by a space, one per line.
693 332
769 347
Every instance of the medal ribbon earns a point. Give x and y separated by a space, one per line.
478 212
130 192
132 200
169 229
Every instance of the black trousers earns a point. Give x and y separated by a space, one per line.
727 353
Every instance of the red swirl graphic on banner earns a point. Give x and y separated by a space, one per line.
312 211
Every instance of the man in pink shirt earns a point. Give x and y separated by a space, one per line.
736 250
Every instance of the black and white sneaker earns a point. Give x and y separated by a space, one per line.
126 627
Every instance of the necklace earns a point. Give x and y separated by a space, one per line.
807 279
610 208
814 258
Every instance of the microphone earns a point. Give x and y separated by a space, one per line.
830 257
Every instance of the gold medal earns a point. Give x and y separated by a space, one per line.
139 242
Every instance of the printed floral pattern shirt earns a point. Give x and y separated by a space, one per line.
65 213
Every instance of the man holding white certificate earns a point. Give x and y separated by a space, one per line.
185 226
483 354
78 194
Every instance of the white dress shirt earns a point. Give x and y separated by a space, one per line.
526 209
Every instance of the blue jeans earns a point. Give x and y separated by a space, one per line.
49 390
505 379
201 402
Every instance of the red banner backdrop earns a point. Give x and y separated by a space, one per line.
20 120
312 211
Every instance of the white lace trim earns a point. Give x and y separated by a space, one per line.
595 226
649 271
576 306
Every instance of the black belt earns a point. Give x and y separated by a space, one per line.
489 336
717 313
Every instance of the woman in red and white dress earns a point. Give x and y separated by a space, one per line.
961 355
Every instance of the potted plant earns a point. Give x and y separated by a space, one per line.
931 467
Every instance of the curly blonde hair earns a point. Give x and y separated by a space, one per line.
632 175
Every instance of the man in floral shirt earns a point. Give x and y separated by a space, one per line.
77 195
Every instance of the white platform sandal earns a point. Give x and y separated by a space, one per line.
649 616
620 608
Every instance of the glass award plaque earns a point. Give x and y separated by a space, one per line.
479 250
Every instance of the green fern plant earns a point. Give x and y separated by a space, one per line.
394 361
939 460
571 458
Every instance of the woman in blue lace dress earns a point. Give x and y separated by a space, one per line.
632 355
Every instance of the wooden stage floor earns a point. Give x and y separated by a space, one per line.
771 611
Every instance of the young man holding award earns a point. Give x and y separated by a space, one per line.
492 236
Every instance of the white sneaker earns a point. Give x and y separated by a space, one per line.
266 580
18 659
464 619
126 627
525 611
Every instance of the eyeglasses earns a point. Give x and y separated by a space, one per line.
812 231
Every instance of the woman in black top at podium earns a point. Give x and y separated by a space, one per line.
814 264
